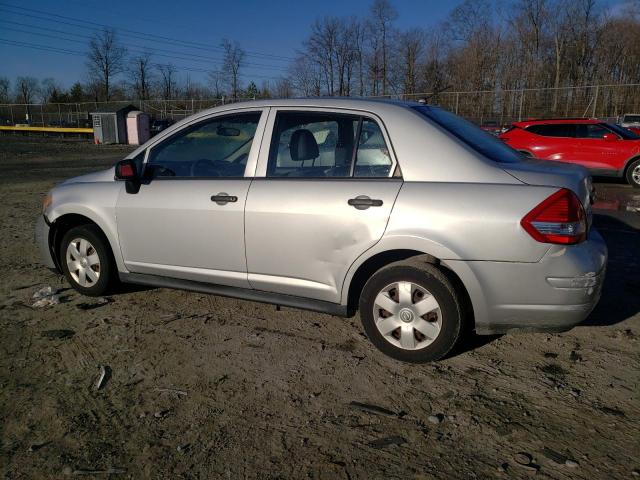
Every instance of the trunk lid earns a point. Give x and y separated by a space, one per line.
555 174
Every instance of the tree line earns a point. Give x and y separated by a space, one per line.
546 44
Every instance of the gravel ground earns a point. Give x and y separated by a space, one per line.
197 386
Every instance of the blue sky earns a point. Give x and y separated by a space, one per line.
269 30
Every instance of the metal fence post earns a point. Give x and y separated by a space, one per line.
595 102
457 101
520 107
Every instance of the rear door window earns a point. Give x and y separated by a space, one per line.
591 130
553 130
319 144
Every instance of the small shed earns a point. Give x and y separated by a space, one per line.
110 124
137 127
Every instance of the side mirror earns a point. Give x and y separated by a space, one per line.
126 170
610 137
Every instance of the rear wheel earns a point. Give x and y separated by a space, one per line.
87 261
633 173
411 312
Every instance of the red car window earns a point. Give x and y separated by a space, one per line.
553 130
591 130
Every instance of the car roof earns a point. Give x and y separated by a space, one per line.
555 121
373 105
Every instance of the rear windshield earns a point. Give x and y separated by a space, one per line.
481 141
631 119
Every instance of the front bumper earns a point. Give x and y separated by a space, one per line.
42 241
552 295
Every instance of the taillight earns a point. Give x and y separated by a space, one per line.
558 219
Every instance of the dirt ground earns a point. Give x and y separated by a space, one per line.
199 386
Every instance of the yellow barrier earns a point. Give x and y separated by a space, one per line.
46 129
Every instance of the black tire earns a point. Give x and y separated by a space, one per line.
632 166
429 278
107 278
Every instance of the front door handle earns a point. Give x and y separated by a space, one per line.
362 202
223 198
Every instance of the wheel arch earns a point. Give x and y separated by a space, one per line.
628 163
65 222
375 262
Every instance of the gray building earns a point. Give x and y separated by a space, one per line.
110 124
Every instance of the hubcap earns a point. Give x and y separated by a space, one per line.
83 262
635 174
407 315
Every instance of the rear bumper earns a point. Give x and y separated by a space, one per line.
42 241
554 294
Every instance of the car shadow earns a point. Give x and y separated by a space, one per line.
471 341
132 288
620 299
610 180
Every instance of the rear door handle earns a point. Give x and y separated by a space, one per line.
362 202
223 198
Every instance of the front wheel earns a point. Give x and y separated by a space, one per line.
86 260
633 173
411 312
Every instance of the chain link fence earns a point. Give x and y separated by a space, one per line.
500 106
78 114
506 106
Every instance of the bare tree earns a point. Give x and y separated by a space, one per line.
284 88
321 47
26 89
411 45
331 49
4 89
433 73
49 90
141 75
167 80
305 76
383 13
105 59
232 63
216 81
359 33
265 89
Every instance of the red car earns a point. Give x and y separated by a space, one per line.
603 148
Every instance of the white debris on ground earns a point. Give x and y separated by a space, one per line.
46 297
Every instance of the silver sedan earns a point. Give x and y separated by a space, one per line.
427 225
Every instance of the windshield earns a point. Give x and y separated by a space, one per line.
623 132
481 141
631 119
